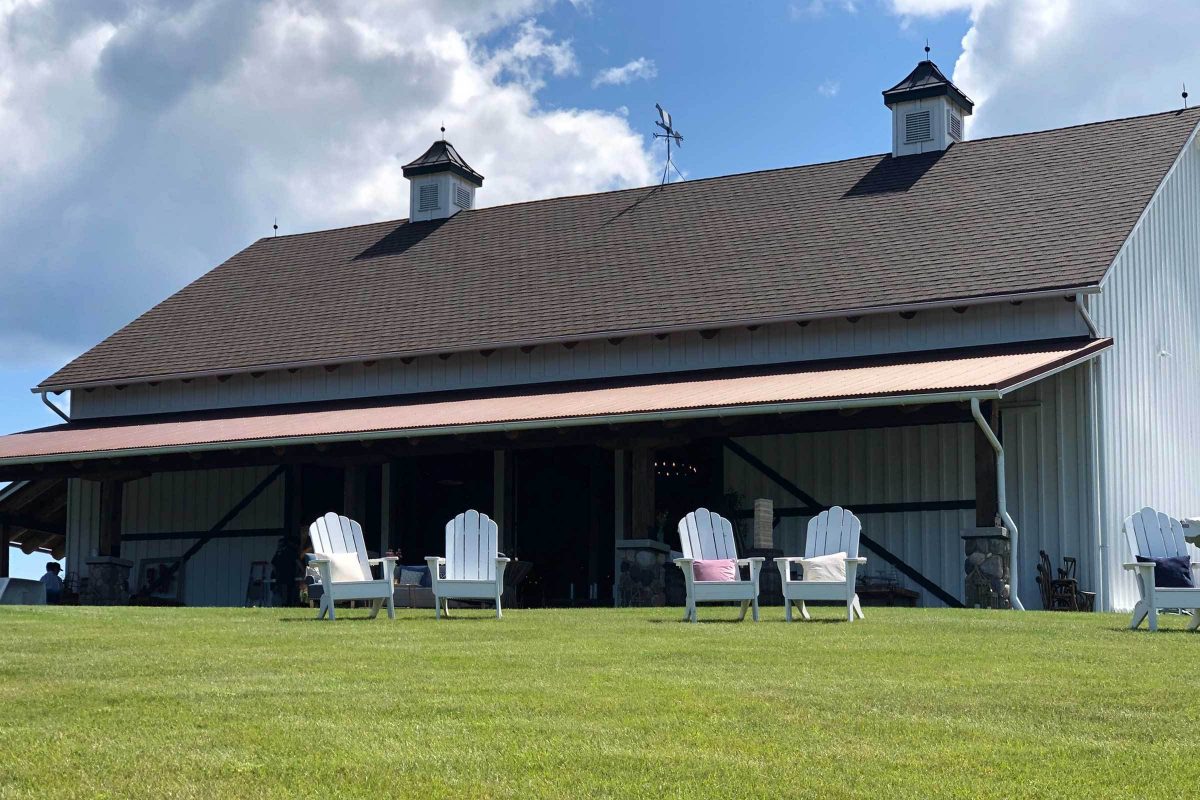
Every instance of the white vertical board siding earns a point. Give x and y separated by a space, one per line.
634 355
1044 430
890 465
169 502
83 524
1149 383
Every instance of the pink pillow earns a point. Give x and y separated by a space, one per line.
715 569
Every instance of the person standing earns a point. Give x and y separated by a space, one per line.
53 583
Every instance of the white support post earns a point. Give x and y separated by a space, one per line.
1002 504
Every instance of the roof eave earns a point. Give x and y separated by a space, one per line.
611 334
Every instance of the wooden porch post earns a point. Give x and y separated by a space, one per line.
385 509
987 503
619 531
112 497
4 546
643 493
502 506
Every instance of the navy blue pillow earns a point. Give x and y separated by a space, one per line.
1173 572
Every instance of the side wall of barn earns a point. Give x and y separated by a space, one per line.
1148 384
164 514
1044 429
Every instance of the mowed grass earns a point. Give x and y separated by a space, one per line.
207 703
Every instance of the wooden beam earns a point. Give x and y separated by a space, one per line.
987 502
112 498
30 522
643 493
4 550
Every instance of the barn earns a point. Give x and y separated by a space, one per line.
984 347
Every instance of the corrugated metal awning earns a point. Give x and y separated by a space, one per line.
924 377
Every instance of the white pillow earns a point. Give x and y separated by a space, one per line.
345 567
825 568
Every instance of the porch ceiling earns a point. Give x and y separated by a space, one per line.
924 377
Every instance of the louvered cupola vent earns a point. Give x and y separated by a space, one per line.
462 197
927 111
429 197
441 184
916 127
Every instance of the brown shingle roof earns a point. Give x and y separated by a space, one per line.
1013 214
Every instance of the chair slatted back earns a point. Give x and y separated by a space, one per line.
1154 534
834 531
333 534
705 534
472 545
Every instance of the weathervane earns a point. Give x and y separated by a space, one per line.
1185 95
671 135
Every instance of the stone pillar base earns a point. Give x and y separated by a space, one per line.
988 552
107 582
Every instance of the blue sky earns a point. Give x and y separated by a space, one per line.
141 143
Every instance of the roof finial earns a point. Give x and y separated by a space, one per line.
275 226
1185 95
926 48
443 130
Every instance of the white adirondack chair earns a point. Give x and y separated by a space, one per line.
340 556
705 534
833 531
474 566
1156 535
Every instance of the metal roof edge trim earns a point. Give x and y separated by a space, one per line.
1158 190
703 412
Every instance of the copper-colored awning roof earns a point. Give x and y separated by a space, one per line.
926 377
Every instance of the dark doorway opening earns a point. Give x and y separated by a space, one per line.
321 489
430 491
687 478
563 524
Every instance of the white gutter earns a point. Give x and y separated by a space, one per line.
708 412
1002 503
538 342
53 407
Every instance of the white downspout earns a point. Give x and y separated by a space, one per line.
1099 545
1002 503
54 408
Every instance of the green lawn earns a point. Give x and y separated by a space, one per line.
207 703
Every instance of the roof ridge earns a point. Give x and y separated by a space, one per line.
1091 124
765 171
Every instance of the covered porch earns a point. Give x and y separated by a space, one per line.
588 480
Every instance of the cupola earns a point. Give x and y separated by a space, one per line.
441 183
928 111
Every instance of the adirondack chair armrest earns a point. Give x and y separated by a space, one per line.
755 563
321 562
1140 566
389 566
501 563
435 564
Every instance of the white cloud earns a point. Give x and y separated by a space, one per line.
818 8
145 142
829 88
1035 64
636 70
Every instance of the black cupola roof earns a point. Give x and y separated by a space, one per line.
926 80
442 157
